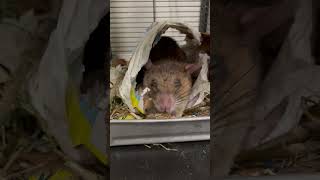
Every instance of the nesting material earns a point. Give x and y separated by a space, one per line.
295 152
77 126
140 57
116 75
120 110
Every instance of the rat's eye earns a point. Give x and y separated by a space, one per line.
177 83
153 83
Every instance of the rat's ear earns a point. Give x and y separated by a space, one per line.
205 37
192 68
149 64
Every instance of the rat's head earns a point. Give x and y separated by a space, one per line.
170 85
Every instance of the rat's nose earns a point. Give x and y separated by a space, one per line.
166 103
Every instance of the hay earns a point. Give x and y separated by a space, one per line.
297 152
27 151
119 110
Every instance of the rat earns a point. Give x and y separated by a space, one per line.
169 78
170 85
167 48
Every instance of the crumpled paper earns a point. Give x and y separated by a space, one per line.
141 55
292 76
14 35
202 85
20 50
116 75
61 65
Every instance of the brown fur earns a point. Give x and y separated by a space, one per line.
166 48
116 62
167 64
164 76
205 43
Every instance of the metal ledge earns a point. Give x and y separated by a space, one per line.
151 131
280 177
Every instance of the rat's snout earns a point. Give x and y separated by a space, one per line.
165 103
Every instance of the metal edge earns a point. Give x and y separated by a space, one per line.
204 118
313 176
157 142
191 136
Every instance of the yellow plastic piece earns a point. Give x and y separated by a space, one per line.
32 178
135 101
128 117
61 175
79 126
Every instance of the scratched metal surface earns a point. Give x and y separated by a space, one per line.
280 177
189 161
133 132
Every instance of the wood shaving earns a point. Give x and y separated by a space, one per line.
164 147
119 109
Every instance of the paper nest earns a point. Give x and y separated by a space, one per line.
140 57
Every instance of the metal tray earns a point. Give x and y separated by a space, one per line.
151 131
280 177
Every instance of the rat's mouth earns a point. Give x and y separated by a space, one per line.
170 110
165 103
